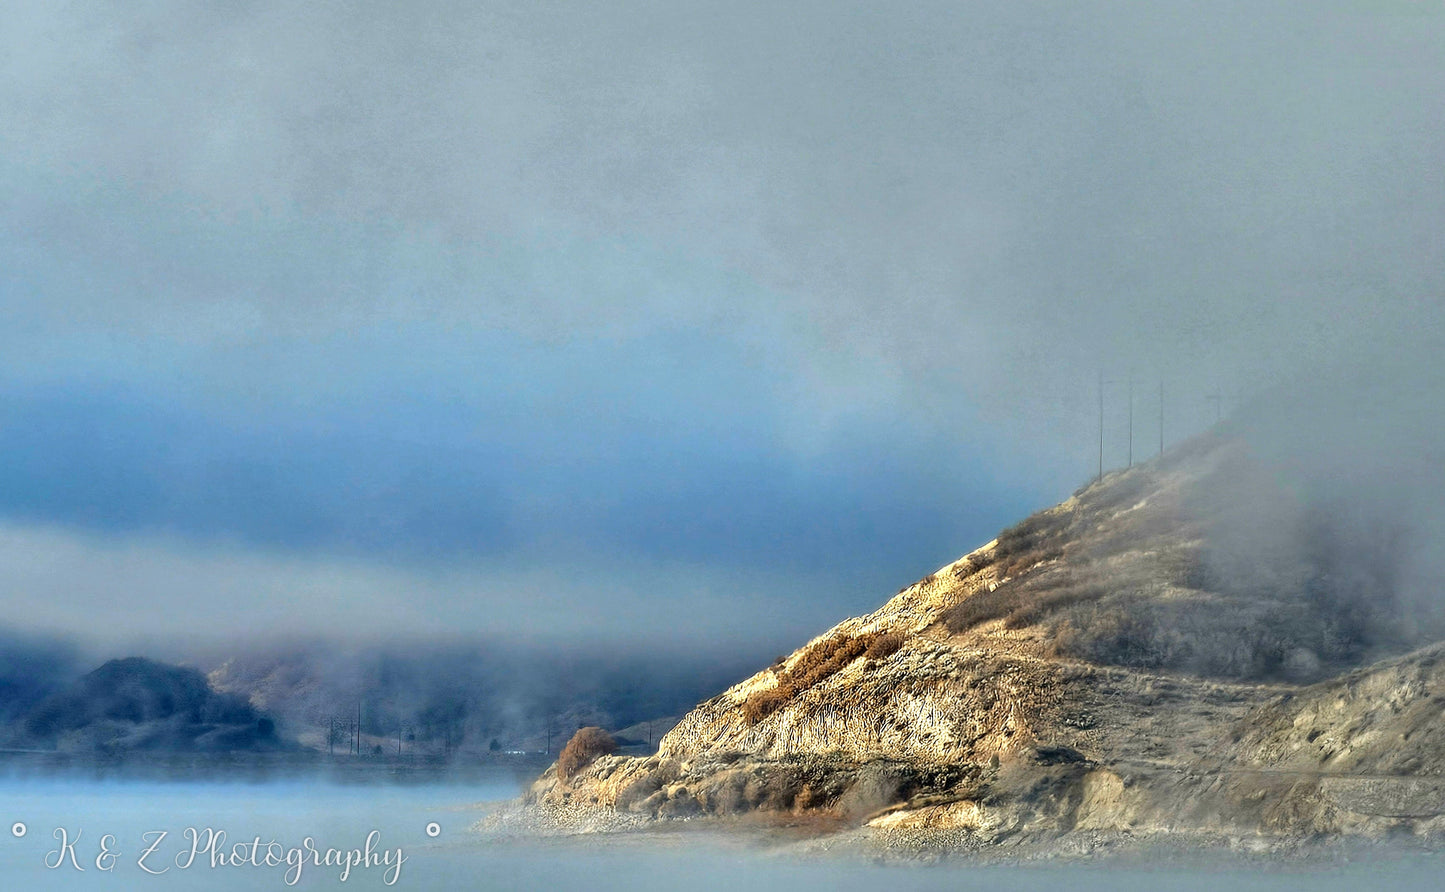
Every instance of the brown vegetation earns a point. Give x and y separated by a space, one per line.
1023 603
1238 638
582 750
1038 538
818 662
883 645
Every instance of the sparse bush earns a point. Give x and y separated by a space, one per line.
1115 635
1187 568
1215 636
1047 603
981 607
821 660
1036 539
825 658
883 645
761 704
582 750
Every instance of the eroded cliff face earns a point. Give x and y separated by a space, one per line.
1091 669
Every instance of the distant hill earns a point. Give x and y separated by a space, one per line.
455 699
140 705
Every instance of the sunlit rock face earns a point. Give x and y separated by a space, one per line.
1185 646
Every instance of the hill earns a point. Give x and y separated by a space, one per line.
1194 645
139 705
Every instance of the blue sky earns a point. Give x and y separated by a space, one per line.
552 321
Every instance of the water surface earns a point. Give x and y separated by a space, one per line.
342 815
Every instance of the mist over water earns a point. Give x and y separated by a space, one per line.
343 816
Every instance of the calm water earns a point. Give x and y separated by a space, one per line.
341 817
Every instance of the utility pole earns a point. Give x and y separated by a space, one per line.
1101 425
1131 421
404 728
1161 417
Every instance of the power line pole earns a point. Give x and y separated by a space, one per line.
1101 425
1131 421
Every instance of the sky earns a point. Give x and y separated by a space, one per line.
706 324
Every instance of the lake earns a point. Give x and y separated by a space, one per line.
275 818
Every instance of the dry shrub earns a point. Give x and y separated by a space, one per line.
761 704
1116 635
820 661
582 750
1187 568
825 658
1218 637
1050 602
883 645
1038 538
1027 602
981 607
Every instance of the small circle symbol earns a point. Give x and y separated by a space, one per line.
433 830
18 828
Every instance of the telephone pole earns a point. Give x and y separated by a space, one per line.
1131 421
1101 425
1161 417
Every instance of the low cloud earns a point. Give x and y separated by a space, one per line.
171 597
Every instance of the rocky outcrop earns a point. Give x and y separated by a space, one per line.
1125 662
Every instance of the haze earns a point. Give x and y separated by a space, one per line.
650 321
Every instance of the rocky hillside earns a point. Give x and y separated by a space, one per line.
1187 646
